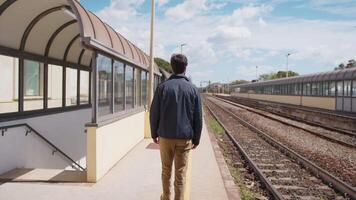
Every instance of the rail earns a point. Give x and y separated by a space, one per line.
267 183
4 129
345 132
333 181
253 110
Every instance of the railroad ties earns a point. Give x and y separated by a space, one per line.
284 173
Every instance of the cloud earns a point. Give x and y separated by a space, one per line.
237 40
162 2
121 9
186 10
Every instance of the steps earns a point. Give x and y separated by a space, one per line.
43 175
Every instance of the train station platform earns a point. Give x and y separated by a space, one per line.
135 177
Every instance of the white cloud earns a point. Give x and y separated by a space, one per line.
162 2
242 39
186 10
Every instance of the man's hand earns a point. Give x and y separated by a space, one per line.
156 140
195 146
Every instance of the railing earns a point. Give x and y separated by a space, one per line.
29 130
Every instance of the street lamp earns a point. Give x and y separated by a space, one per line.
151 67
287 63
181 47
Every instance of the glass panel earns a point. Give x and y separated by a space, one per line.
129 79
119 86
354 88
332 89
33 85
326 88
339 88
55 86
71 86
347 88
315 89
320 89
84 87
144 87
138 87
105 85
9 84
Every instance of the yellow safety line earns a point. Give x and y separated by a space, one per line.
188 179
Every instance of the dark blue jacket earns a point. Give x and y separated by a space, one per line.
176 111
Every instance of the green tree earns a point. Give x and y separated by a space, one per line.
279 74
350 64
163 64
237 82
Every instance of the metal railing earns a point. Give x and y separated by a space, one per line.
29 130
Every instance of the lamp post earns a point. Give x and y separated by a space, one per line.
181 47
151 67
147 133
287 63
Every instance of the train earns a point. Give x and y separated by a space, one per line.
332 90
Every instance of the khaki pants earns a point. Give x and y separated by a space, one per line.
176 150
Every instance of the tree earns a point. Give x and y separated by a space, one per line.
237 82
350 64
163 64
279 74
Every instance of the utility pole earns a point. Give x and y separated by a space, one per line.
151 67
256 73
147 133
181 47
287 63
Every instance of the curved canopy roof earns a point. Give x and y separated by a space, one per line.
345 74
63 31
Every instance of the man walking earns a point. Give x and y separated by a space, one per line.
176 124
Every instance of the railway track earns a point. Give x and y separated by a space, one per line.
283 172
346 139
326 127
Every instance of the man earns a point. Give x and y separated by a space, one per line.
176 124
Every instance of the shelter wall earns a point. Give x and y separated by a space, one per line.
65 130
110 143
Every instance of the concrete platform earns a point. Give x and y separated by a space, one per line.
135 177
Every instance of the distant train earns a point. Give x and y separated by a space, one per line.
334 90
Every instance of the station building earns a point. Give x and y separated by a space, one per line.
73 91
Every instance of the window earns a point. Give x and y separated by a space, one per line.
33 85
307 89
119 85
320 89
9 84
339 88
138 101
354 88
104 70
129 80
84 87
326 89
71 86
315 89
55 86
144 87
347 88
332 89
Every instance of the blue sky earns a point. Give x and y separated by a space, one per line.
227 39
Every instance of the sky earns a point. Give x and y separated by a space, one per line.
227 39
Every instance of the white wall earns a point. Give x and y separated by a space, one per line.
109 143
65 130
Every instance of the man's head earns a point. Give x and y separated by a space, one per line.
179 63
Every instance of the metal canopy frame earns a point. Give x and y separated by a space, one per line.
94 36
